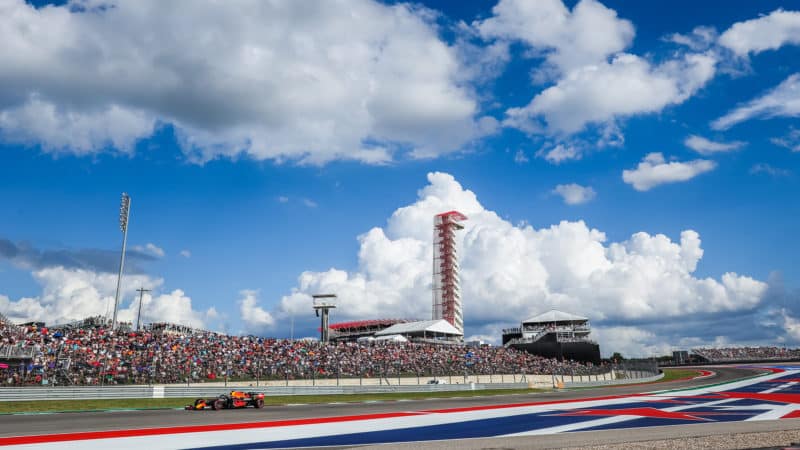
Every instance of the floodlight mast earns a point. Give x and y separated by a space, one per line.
324 303
124 215
141 291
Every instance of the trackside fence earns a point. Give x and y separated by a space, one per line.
617 374
118 392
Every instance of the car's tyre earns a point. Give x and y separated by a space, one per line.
218 404
259 403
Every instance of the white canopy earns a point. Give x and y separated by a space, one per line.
441 327
391 338
555 316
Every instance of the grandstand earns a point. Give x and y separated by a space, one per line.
89 322
746 354
174 328
555 334
98 355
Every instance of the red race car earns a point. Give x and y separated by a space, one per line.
236 399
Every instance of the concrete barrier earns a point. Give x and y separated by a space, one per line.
323 387
121 392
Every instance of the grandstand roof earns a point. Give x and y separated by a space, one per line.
392 338
365 323
440 326
554 316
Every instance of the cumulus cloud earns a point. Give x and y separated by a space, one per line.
768 32
599 93
186 253
269 81
707 147
255 318
570 39
70 294
791 325
575 194
781 101
509 271
595 82
631 342
151 249
654 170
520 157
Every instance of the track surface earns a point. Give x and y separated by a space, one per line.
520 415
21 425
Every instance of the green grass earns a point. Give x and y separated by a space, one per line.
169 403
677 374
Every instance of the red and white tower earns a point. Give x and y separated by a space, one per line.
446 293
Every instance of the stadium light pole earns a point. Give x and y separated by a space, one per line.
141 290
124 215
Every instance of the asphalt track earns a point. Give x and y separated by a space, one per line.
326 414
23 425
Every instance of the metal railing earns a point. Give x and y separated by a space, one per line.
618 374
16 352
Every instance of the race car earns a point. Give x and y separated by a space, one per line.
236 399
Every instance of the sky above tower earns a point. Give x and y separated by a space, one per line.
632 162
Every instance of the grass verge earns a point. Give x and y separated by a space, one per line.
38 406
678 374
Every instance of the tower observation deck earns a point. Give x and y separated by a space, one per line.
446 292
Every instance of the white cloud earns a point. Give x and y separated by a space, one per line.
560 153
73 294
74 131
596 82
309 203
653 170
769 170
790 141
768 32
575 194
781 101
150 249
268 81
700 39
283 199
791 325
520 157
186 253
630 342
255 318
597 94
508 271
570 39
707 147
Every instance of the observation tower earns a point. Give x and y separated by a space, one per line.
446 292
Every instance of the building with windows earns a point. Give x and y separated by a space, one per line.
555 334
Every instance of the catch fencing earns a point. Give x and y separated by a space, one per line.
121 392
617 374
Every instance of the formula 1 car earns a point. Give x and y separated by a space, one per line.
236 399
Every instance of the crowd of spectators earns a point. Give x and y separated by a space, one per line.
733 354
95 355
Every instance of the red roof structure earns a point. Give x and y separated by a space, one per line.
366 323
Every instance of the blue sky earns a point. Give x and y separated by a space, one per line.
260 151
